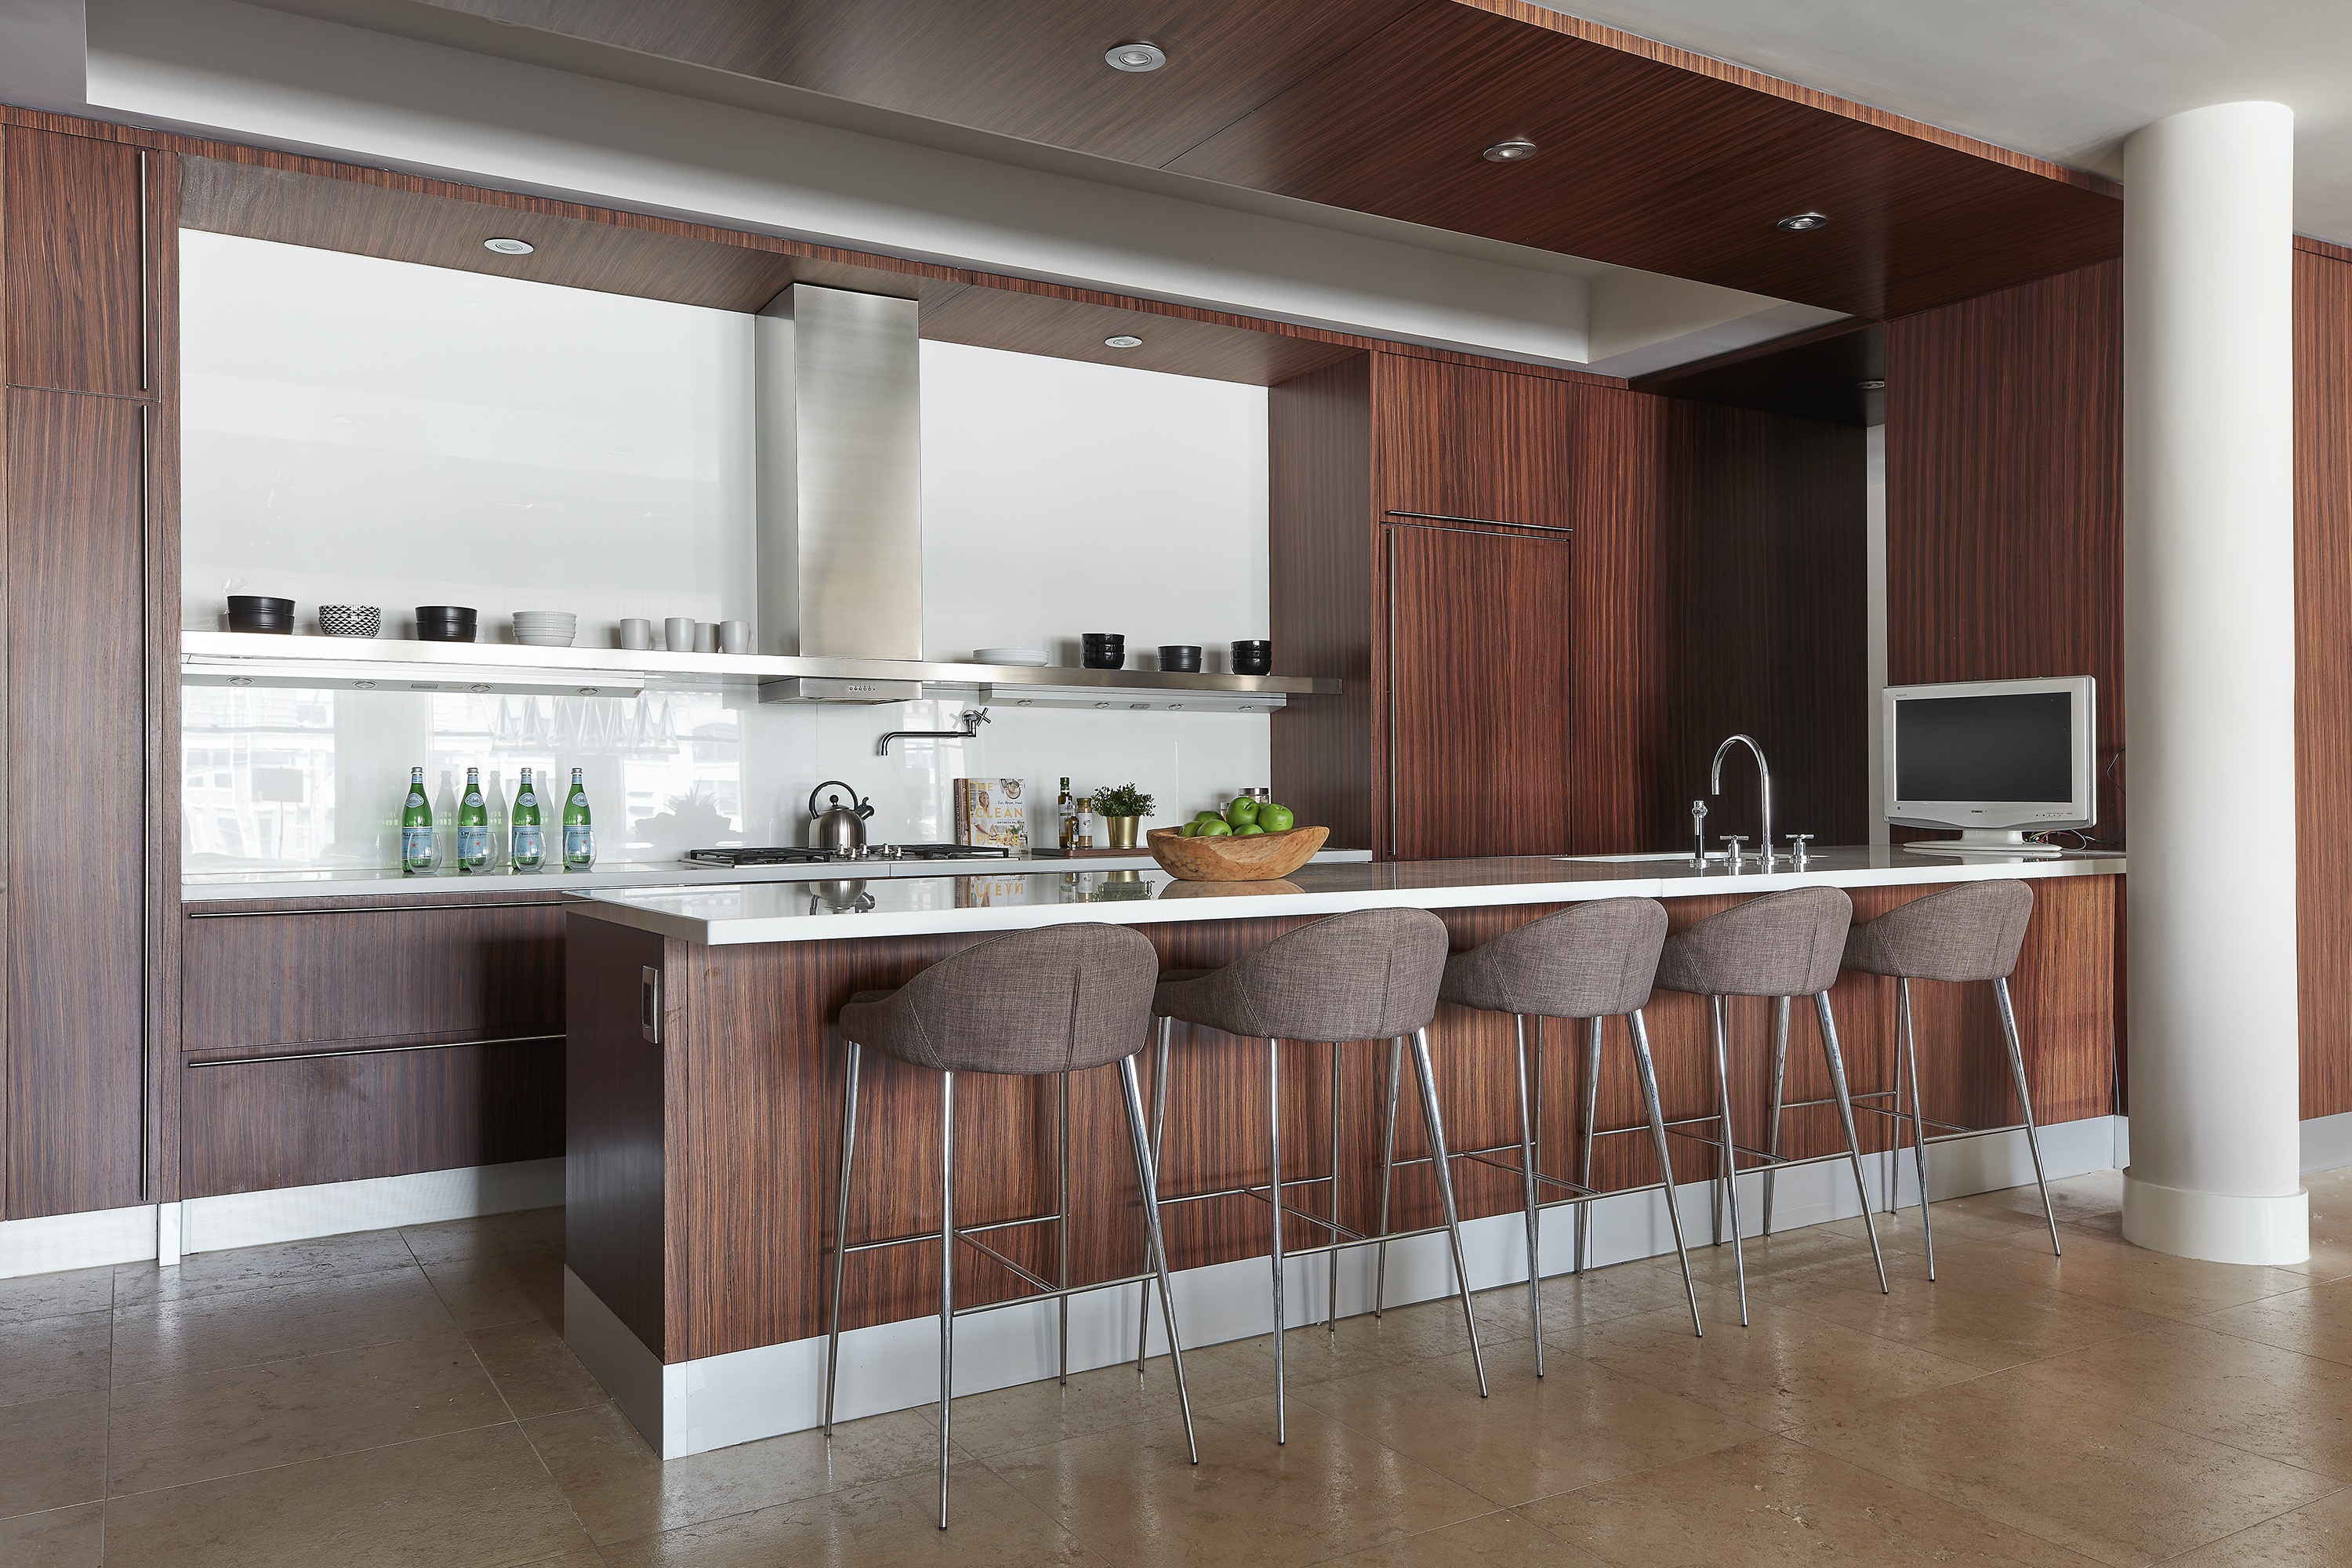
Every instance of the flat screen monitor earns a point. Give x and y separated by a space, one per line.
1995 759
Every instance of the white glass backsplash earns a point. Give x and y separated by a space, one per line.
471 439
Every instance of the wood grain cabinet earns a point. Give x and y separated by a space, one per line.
342 1043
92 850
1466 443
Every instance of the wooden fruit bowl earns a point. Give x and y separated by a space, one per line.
1260 857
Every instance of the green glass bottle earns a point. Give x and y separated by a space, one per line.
579 837
473 826
415 828
528 843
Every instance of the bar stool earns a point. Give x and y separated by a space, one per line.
1971 932
1781 945
1367 976
1592 960
1032 1003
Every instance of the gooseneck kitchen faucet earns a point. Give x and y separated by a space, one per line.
1764 785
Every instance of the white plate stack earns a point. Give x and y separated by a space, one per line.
545 628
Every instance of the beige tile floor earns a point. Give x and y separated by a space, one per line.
405 1397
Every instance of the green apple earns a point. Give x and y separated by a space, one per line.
1275 819
1215 828
1246 828
1185 830
1240 811
1208 813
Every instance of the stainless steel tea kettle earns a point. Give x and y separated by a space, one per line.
838 826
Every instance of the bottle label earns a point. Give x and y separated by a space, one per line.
578 842
474 844
528 846
416 799
416 844
526 798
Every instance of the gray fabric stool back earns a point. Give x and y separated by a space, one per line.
1781 945
1369 975
1059 1000
1034 1004
1973 931
1968 933
1590 960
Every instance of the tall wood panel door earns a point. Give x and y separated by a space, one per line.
1480 719
77 778
1473 445
83 249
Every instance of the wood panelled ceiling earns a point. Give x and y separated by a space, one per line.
1648 159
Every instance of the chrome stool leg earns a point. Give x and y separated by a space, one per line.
1388 1180
1159 1137
1584 1160
1779 1080
1331 1289
1910 1059
840 1225
1836 1061
1727 1179
2025 1102
1147 1171
1062 1230
1435 1120
1273 1139
1649 1074
1528 1188
947 1277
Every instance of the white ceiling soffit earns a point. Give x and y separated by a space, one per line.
2063 80
423 90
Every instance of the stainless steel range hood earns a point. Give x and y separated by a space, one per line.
840 542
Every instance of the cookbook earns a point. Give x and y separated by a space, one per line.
992 812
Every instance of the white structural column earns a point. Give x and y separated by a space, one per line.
2209 617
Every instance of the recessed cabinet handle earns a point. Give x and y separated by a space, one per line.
649 1016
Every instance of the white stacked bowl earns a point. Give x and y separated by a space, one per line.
546 628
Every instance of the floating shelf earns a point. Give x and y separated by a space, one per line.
377 663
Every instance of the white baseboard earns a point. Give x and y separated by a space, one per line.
164 1232
691 1407
2328 1143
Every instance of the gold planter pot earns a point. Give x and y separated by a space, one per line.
1120 831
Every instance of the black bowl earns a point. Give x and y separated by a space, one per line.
276 626
1253 657
1183 656
444 632
1097 657
445 623
260 605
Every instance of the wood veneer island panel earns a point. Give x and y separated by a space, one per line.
702 1166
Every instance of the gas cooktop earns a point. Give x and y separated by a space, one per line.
802 854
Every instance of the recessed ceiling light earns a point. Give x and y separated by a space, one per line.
1871 386
1123 340
508 246
1802 222
1515 150
1136 57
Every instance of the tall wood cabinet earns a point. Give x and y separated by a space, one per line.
88 232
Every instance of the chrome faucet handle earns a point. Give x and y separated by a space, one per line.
1797 851
1733 842
1698 833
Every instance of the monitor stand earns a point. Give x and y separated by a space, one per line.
2009 842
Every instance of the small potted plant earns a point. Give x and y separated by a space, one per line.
1122 810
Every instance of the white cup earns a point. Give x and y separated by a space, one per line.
677 634
706 637
735 636
637 633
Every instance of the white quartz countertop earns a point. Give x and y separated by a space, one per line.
205 887
1005 899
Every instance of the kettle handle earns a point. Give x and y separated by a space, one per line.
863 808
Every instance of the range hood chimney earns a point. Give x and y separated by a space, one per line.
840 540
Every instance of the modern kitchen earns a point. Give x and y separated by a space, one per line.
1259 850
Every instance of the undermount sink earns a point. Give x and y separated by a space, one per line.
1681 854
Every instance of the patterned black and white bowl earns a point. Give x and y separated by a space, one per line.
350 620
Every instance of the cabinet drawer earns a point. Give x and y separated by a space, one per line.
267 984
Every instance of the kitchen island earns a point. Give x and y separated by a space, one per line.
704 1081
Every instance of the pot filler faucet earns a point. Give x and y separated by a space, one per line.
1764 790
